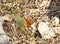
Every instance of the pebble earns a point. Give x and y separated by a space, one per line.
45 31
4 39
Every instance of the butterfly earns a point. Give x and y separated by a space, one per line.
27 22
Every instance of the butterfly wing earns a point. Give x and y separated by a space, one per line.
27 22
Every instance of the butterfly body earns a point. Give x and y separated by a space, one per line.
27 22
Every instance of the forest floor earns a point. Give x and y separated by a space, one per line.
19 15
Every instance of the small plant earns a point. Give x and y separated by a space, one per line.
11 0
19 22
13 11
32 35
0 7
18 1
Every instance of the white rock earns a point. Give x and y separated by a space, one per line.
34 27
3 37
56 30
45 3
45 31
56 21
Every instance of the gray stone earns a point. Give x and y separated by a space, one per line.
3 37
45 31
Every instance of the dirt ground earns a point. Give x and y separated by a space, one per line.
19 15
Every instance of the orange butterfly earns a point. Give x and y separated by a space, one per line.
27 22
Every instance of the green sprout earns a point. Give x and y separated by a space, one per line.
19 22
